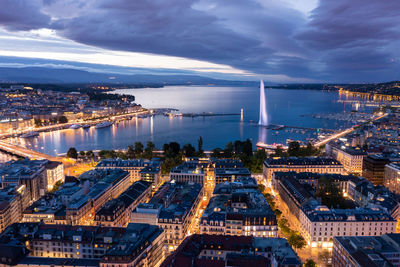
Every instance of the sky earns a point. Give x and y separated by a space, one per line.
276 40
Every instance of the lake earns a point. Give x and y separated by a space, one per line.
285 107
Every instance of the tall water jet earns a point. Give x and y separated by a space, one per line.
263 106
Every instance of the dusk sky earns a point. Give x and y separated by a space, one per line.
279 41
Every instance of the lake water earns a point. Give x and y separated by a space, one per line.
286 107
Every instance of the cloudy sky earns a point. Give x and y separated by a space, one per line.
278 40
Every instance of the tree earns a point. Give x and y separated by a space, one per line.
38 122
89 154
170 163
200 146
261 187
72 153
277 213
130 153
62 119
297 241
310 263
138 148
217 153
148 152
175 147
248 148
228 151
325 256
294 148
188 150
82 153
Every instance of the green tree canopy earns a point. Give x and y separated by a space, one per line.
72 153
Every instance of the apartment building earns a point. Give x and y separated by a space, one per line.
239 210
293 164
116 212
133 166
354 251
225 250
134 245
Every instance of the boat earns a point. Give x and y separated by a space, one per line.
86 126
103 124
75 126
30 134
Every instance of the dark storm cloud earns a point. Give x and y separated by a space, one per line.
22 15
353 40
357 39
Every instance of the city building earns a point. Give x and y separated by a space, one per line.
351 158
48 209
134 245
31 173
133 166
392 177
239 210
81 210
152 175
318 223
189 171
239 251
230 175
179 204
293 164
354 251
54 173
13 200
146 213
209 171
374 168
117 212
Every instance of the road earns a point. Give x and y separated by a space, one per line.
343 133
24 152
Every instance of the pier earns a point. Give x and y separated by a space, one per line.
282 127
209 114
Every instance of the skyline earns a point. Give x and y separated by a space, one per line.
285 41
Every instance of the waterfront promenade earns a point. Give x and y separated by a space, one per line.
61 126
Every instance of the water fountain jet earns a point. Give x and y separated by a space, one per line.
263 106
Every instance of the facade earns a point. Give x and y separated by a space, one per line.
392 177
13 200
239 251
293 164
188 172
81 211
152 175
354 251
109 246
374 168
222 175
209 171
116 212
318 223
239 211
54 173
146 213
31 173
133 166
179 204
350 158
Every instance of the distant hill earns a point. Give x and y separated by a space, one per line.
52 75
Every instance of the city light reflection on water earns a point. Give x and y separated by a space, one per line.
286 107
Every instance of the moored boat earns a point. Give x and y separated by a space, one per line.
103 124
